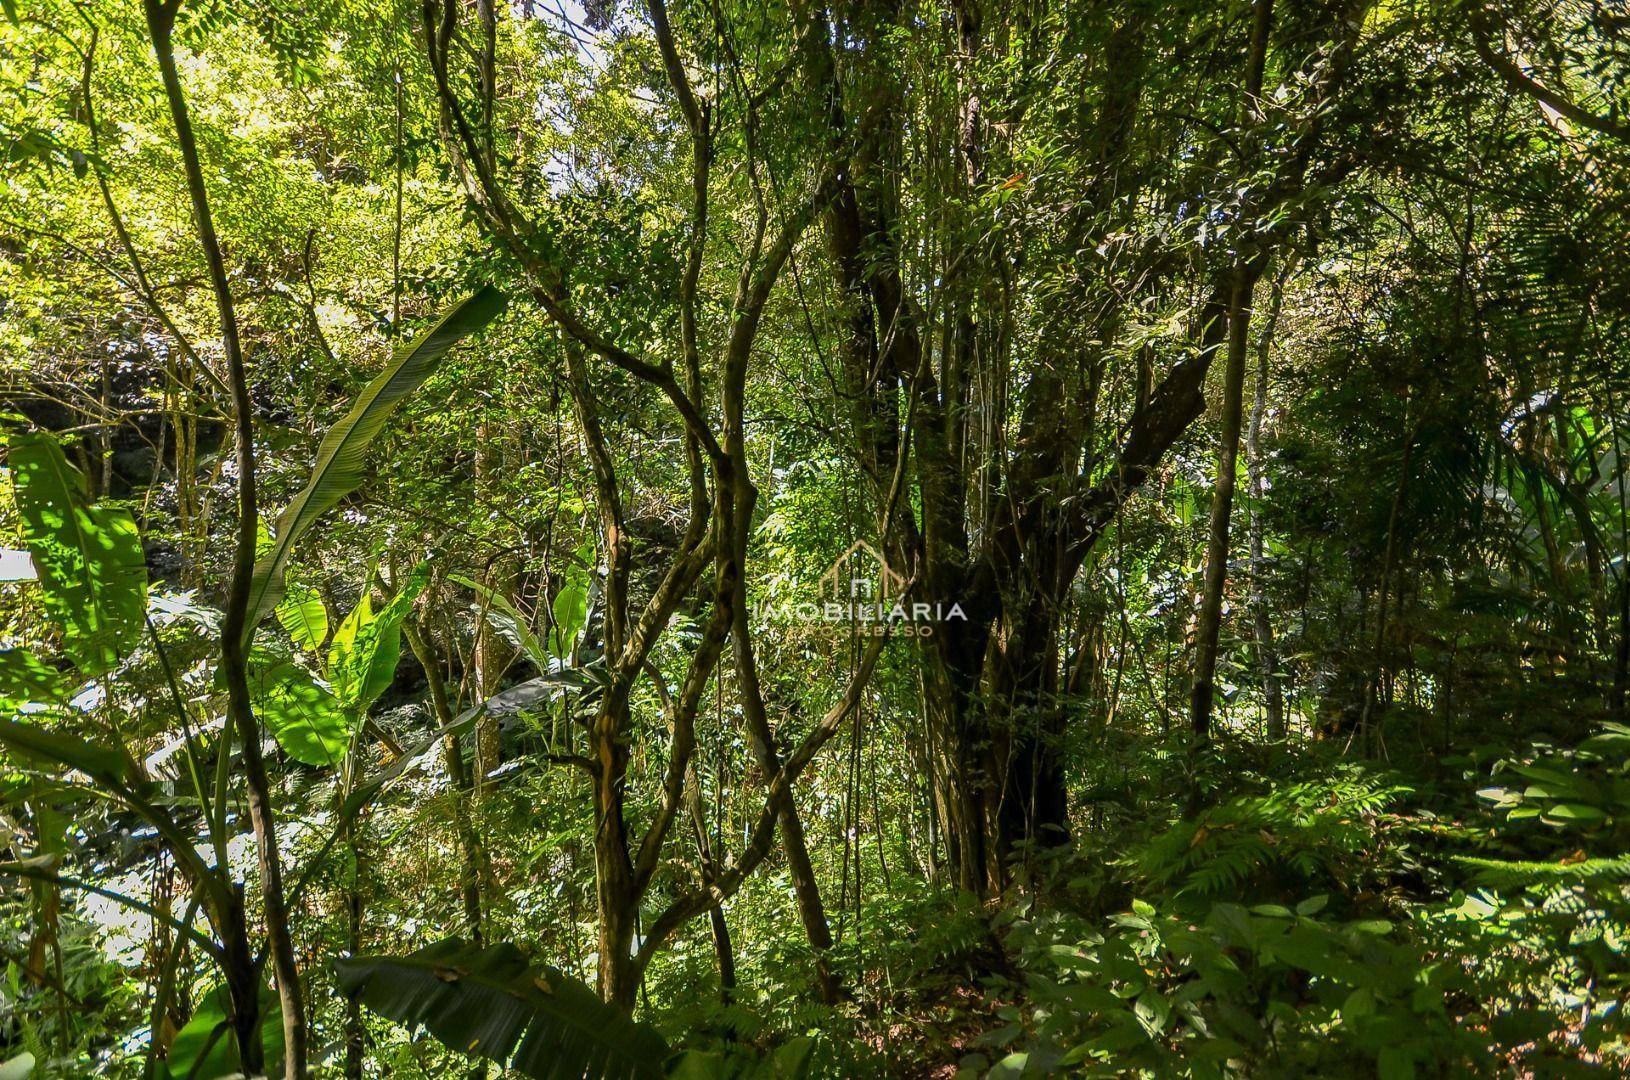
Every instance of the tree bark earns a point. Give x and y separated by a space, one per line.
1273 692
1222 503
492 654
355 1031
1222 499
723 949
761 740
242 985
616 893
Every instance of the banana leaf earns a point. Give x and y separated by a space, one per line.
495 1004
207 1048
307 721
24 677
106 764
363 655
304 618
93 577
339 467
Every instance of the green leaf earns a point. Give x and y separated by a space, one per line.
307 721
493 1003
1152 1012
362 659
207 1048
25 677
702 1065
1552 777
344 669
791 1059
1394 1063
93 577
1012 1065
571 612
104 763
1502 873
1371 926
1360 1002
1575 812
1312 905
338 470
303 617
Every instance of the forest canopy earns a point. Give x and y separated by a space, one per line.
572 538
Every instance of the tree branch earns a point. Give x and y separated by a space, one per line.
1514 76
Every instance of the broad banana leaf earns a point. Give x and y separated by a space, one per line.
493 1003
571 613
304 618
301 713
25 677
362 659
93 577
304 717
340 459
106 764
207 1048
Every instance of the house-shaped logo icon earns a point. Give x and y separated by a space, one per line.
860 573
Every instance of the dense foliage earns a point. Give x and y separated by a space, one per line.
906 538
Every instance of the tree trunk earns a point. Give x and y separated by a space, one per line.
1222 500
280 941
493 656
965 794
1273 693
355 1032
1222 504
617 974
1033 807
616 895
242 985
723 949
236 632
806 889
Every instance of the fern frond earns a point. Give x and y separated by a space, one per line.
1516 873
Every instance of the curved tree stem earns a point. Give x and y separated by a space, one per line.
234 638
